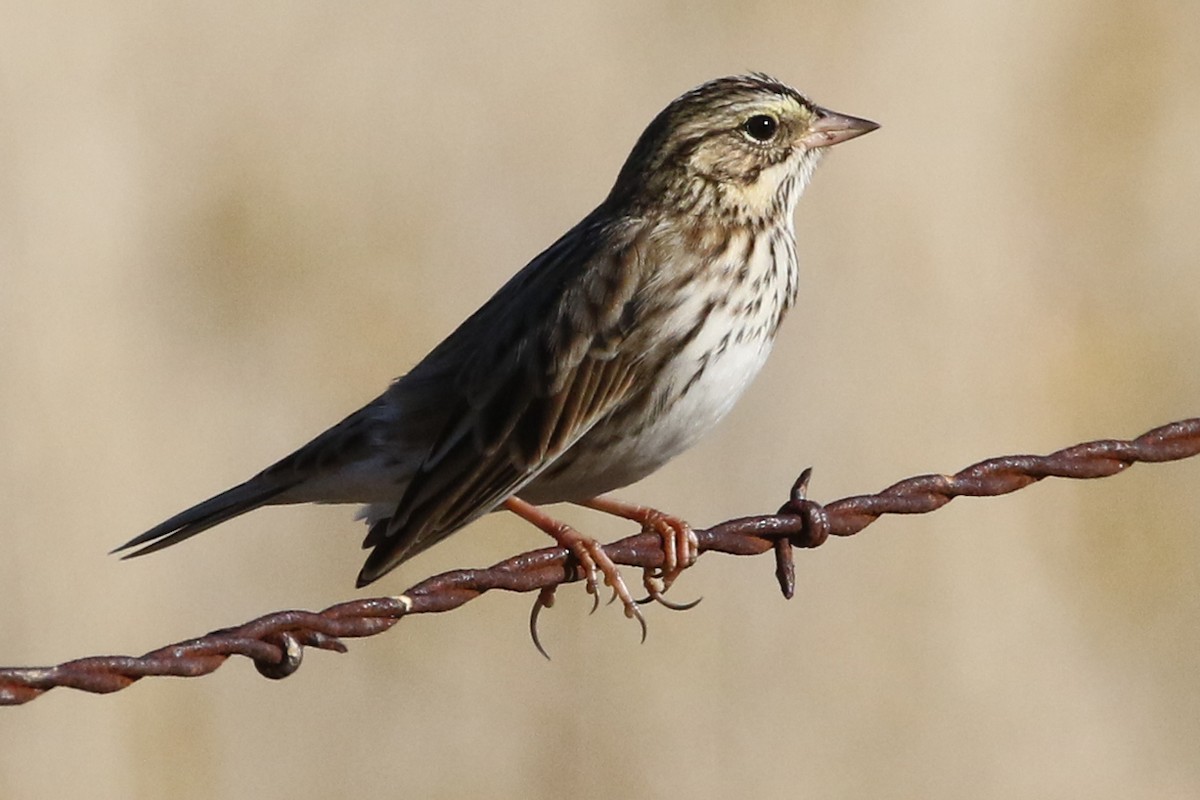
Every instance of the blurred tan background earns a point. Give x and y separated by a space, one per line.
222 228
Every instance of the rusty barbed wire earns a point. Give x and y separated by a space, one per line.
275 642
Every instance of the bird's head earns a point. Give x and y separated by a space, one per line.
740 147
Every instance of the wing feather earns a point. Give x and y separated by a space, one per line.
540 365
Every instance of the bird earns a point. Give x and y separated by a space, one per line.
611 352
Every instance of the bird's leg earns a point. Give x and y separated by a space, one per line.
680 546
588 551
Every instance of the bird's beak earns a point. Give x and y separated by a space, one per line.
830 128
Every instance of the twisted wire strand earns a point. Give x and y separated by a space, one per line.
275 642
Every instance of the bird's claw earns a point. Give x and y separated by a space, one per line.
594 562
590 552
545 599
656 586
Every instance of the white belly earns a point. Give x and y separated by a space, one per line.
607 459
701 399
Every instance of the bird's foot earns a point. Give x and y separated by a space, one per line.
595 563
681 548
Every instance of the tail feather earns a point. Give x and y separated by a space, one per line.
231 503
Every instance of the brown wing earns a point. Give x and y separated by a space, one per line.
532 371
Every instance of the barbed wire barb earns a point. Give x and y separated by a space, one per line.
275 642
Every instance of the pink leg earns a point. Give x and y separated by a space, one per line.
680 546
588 551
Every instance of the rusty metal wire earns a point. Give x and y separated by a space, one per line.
276 642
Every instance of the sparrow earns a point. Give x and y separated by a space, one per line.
610 353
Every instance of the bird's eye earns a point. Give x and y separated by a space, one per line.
761 127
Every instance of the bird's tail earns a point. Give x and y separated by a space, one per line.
254 493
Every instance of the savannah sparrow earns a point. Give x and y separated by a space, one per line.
610 353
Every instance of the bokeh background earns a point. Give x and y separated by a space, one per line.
225 225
